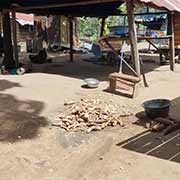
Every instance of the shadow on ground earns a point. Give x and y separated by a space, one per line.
5 84
78 69
156 144
81 69
19 119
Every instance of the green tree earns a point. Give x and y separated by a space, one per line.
88 27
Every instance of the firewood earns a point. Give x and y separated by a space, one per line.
158 127
171 128
164 121
148 125
174 120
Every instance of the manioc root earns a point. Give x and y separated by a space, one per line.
94 128
91 115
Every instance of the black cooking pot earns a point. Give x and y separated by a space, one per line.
157 108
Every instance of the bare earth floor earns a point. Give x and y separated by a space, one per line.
33 150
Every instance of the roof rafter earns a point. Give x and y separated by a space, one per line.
61 5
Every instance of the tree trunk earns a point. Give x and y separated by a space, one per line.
8 61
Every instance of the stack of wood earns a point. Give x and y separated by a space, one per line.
91 115
167 125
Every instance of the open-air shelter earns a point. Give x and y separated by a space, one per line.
98 8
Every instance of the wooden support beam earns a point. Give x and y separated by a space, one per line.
172 45
71 38
102 26
15 45
8 60
133 36
58 5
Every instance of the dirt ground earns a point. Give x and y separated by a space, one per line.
32 149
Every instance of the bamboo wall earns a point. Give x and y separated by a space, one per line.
64 30
53 30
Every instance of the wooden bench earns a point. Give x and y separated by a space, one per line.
123 84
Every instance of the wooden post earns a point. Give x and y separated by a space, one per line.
60 30
133 36
35 34
1 29
15 47
71 38
172 45
102 26
8 60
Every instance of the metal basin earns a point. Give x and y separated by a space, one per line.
157 108
91 82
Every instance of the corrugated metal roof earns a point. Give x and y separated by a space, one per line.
171 5
25 18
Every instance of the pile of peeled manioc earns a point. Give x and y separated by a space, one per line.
91 115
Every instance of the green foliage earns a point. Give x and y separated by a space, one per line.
115 20
88 27
122 8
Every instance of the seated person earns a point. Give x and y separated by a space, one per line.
40 58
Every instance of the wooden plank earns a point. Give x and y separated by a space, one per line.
154 38
133 36
112 85
125 77
116 37
35 42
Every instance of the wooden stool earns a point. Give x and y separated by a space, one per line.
124 84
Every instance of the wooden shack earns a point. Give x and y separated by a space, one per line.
24 26
53 30
98 8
